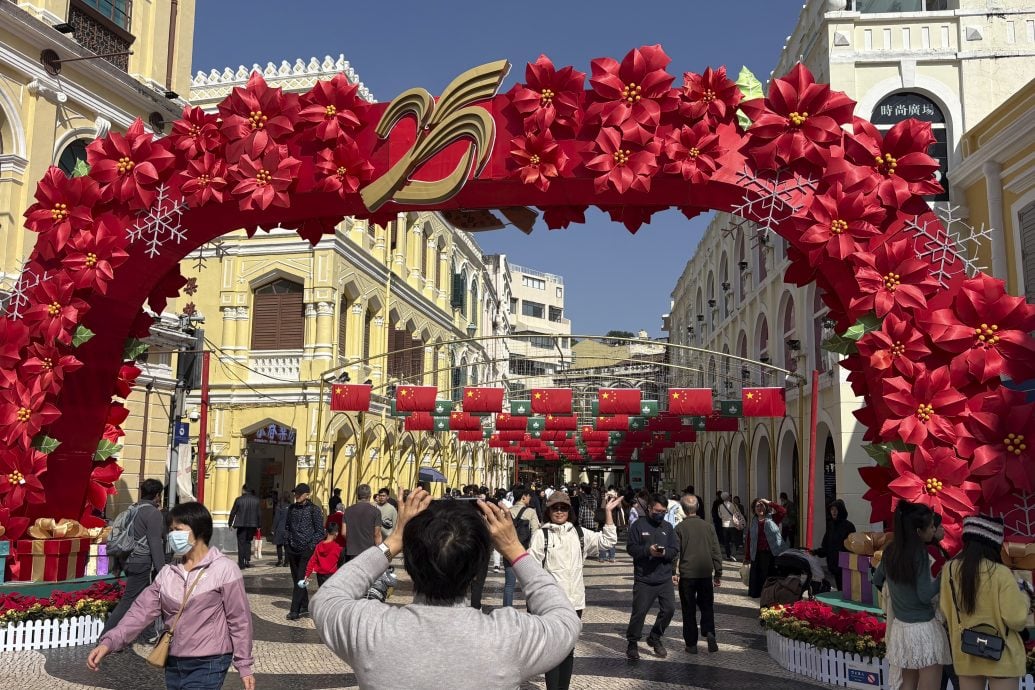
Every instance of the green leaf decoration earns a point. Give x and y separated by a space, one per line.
869 322
82 334
839 344
45 444
81 169
881 452
134 348
751 89
105 449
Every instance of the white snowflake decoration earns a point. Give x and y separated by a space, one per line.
160 224
951 245
769 198
1020 520
15 302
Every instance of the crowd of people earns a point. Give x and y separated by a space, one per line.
190 599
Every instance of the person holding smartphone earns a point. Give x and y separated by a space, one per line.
653 545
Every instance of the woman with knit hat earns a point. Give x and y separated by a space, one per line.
978 590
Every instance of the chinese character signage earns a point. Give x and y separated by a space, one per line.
274 434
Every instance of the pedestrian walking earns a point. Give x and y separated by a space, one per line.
789 526
526 524
732 522
446 645
563 547
326 558
335 501
305 529
244 518
838 529
978 590
653 546
147 556
674 515
916 641
280 528
699 572
361 524
201 600
763 542
389 514
587 508
700 509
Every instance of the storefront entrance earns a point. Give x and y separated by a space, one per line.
270 468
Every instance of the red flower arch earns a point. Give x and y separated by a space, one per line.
845 197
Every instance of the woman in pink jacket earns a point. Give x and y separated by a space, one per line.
216 624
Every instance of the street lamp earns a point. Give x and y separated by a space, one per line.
471 329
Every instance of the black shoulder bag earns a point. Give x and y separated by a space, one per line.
982 640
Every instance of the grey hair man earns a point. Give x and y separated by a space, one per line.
698 573
361 524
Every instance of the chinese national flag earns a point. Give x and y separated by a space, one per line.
469 436
551 400
463 421
561 422
618 401
617 423
508 435
506 422
684 435
716 422
419 421
764 402
690 402
415 398
350 397
483 400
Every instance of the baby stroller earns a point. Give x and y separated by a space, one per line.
809 569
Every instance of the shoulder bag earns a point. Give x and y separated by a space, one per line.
982 640
159 656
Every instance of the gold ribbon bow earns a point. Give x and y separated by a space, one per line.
49 528
867 543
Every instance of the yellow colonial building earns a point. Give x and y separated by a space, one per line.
56 95
407 303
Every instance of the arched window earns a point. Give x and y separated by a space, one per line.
278 316
712 311
368 328
742 265
820 311
72 154
910 105
343 320
727 291
790 361
425 237
473 317
763 347
458 296
762 242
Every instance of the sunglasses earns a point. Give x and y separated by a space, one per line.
561 508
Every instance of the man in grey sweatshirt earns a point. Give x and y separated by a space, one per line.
445 643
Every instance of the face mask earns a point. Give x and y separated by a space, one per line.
657 517
179 541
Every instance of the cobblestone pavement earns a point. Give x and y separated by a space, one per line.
289 654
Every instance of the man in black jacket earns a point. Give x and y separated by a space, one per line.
305 530
244 517
653 545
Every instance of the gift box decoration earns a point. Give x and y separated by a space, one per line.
855 578
5 550
98 561
51 560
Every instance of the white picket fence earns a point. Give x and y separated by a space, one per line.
50 633
837 668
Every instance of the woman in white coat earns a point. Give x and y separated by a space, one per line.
562 547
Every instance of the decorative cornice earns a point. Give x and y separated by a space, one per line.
300 75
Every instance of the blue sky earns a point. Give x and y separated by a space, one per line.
614 280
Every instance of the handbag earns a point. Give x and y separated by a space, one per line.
982 640
159 656
745 573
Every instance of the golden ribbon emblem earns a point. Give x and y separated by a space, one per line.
49 528
439 124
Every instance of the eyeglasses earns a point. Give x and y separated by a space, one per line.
559 508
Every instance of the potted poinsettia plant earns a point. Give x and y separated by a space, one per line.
823 627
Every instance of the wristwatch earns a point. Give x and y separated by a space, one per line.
385 550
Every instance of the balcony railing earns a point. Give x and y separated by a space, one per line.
275 366
102 26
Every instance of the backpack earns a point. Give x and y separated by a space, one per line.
781 591
546 542
523 528
122 544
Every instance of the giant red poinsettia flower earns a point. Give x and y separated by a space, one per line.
196 133
128 167
711 95
93 256
333 109
895 164
538 159
257 117
988 330
622 165
20 472
102 482
880 498
204 180
937 478
838 224
559 217
128 374
693 152
926 405
45 367
891 276
263 176
342 169
798 121
1000 442
55 310
12 528
14 335
24 411
632 216
63 206
632 95
896 346
549 98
